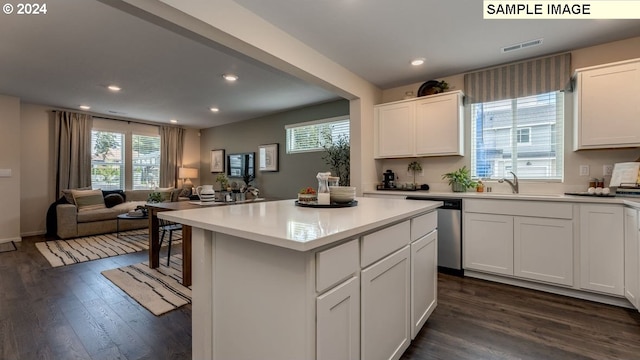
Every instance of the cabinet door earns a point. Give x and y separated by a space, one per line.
439 125
608 107
488 243
543 249
385 290
338 322
602 248
394 124
631 257
424 280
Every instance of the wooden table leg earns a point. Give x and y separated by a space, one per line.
186 255
154 238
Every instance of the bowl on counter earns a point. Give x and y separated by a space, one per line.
342 194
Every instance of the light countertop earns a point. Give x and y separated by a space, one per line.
630 201
284 224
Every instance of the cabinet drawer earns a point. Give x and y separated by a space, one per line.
545 209
382 243
336 264
423 224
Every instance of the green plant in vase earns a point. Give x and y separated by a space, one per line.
223 180
414 167
460 180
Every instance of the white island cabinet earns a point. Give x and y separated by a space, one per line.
275 281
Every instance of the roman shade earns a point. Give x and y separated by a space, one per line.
520 79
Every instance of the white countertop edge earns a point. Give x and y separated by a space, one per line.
180 216
629 201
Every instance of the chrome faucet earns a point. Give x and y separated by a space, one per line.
514 184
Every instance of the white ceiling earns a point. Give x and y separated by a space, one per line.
67 57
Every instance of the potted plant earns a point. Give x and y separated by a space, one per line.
337 156
223 180
414 167
460 180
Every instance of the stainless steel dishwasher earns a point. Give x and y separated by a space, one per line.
449 234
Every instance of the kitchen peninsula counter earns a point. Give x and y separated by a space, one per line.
262 272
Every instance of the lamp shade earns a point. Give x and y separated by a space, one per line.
187 173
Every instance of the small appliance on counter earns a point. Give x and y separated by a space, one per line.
388 179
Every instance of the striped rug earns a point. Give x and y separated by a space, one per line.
73 251
158 290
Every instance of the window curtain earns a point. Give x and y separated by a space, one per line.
72 150
171 145
520 79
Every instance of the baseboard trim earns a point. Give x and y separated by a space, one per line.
16 239
579 294
33 233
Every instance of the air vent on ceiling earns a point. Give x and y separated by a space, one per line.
522 45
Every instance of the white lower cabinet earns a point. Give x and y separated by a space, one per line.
385 290
424 280
488 243
631 257
543 249
338 322
602 248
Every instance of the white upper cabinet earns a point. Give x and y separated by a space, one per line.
607 106
424 126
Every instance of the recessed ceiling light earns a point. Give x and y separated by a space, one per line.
114 88
173 121
214 109
85 107
417 62
230 77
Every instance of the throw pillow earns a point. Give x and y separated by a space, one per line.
112 200
87 200
166 193
119 192
69 196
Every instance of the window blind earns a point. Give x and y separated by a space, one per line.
310 136
145 158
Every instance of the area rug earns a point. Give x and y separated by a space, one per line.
73 251
158 290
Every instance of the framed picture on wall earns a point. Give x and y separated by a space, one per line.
217 161
268 157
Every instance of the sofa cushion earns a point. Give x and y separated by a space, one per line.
88 200
108 213
69 196
112 200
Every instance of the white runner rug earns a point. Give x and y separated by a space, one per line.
158 290
73 251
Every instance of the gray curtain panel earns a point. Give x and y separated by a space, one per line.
520 79
171 144
72 150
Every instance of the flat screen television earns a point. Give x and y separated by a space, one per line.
238 165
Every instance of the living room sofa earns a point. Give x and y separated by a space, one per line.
73 223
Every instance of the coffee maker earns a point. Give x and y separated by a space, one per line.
388 179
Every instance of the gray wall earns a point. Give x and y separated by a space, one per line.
295 170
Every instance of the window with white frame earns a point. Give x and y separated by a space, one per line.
123 159
145 158
107 160
523 135
310 136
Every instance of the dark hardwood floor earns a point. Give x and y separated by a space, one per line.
73 312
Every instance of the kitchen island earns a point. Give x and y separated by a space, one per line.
276 281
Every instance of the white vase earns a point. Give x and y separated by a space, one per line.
206 193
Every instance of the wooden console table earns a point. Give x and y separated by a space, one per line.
154 233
